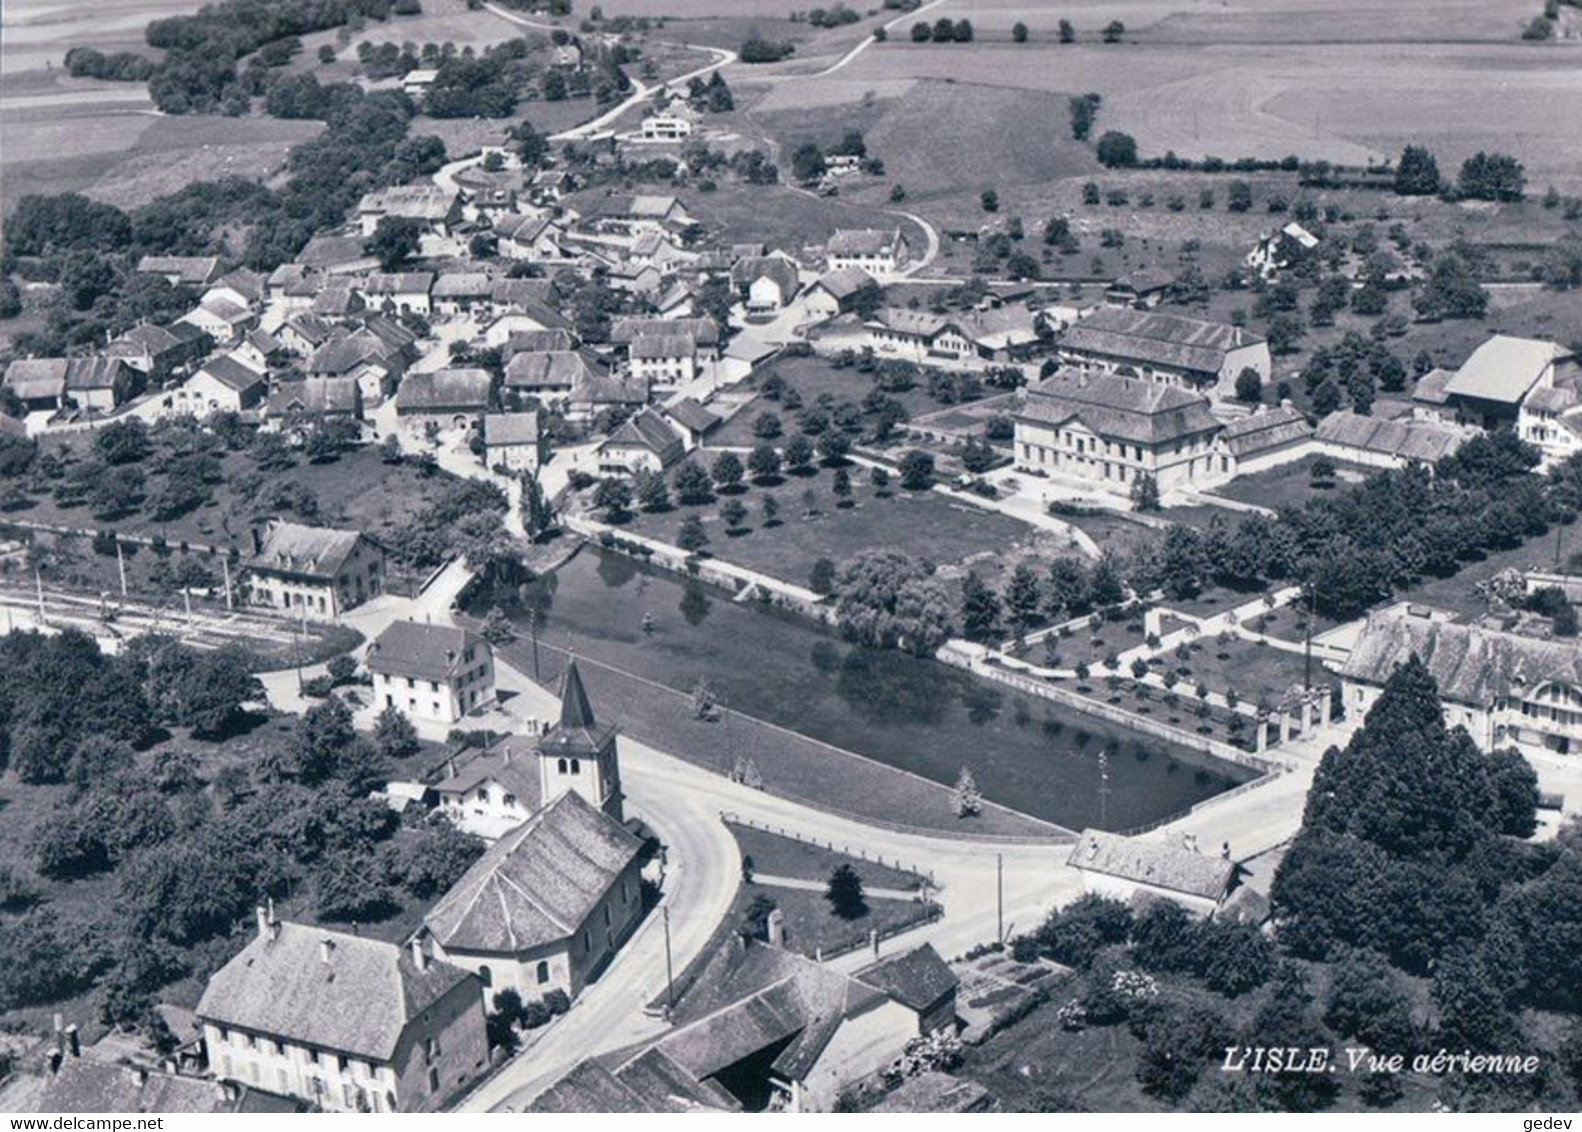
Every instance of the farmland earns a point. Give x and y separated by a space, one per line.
1205 81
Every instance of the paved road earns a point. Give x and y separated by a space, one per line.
640 91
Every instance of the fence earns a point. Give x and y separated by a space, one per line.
1130 720
730 817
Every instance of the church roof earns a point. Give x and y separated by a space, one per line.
578 731
538 883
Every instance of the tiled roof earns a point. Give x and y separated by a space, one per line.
1504 368
1152 863
1266 429
538 883
1424 441
550 369
232 374
510 428
704 331
576 732
355 996
462 285
863 241
316 395
421 201
191 269
429 652
690 414
916 979
1129 409
512 762
1430 388
34 378
84 1085
1156 338
462 388
293 548
844 282
660 346
1471 664
538 341
325 252
398 283
610 389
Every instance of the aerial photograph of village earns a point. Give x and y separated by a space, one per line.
689 556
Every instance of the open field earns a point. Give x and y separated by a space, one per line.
1288 486
1207 81
117 149
774 855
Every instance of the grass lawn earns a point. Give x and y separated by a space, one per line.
774 855
1115 533
1290 485
925 524
1458 592
1088 646
1246 667
811 926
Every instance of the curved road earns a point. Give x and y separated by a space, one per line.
640 91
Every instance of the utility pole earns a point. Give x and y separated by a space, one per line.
670 974
38 582
225 567
999 896
1307 659
120 565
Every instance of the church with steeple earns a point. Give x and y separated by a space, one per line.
560 888
521 774
579 752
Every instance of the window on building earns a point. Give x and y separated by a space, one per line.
433 1080
486 975
576 766
543 971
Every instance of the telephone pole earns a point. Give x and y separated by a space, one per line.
670 974
999 896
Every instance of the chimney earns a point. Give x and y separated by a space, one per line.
419 956
73 1041
60 1034
775 922
326 951
258 541
263 922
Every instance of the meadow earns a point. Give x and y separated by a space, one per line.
1306 77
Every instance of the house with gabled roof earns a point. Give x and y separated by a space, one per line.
1142 289
1506 689
159 351
296 406
400 292
348 1022
313 572
461 292
430 205
221 318
835 292
882 253
766 283
531 239
223 384
1111 431
1490 387
514 441
646 442
1139 868
547 906
432 673
1378 443
602 392
1171 349
181 270
549 375
1271 435
772 1029
510 781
